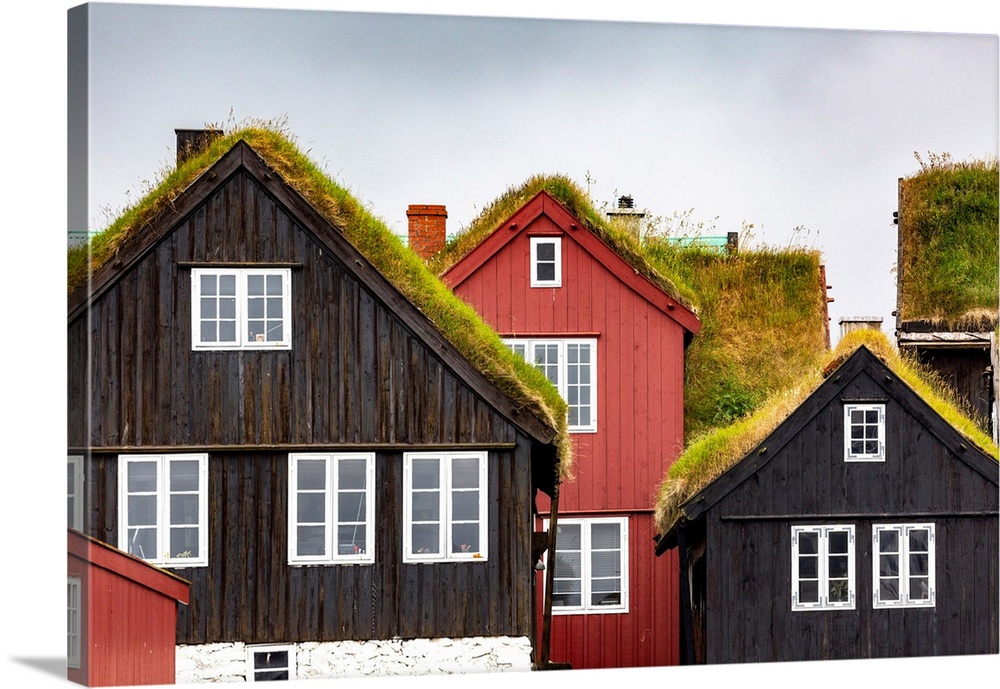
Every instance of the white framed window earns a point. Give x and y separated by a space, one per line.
444 506
570 365
163 508
546 261
331 508
864 432
74 621
591 566
270 663
903 565
241 308
823 567
74 492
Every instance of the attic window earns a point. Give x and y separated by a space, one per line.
546 262
864 432
241 308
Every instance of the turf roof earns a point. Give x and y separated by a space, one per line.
714 453
476 341
948 244
578 203
764 325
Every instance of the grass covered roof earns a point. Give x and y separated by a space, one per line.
764 325
948 244
459 323
577 202
714 453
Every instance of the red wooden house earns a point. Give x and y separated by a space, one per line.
121 616
612 338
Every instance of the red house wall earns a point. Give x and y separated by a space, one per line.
128 617
640 413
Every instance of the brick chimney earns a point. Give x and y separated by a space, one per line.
191 142
426 228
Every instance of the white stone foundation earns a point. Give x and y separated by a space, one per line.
227 662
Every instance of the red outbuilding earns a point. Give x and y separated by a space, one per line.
612 339
121 616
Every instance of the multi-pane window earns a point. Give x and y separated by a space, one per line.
591 566
864 432
546 262
571 366
903 565
74 492
331 508
73 622
163 508
241 308
271 663
822 567
445 510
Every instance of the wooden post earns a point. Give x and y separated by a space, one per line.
549 577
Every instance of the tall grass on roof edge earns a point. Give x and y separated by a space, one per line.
564 190
949 255
714 453
477 342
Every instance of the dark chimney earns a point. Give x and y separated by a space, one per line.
191 142
426 228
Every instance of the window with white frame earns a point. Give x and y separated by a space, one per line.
571 366
270 663
73 622
591 566
331 508
546 262
163 508
444 506
903 565
74 492
864 432
823 567
241 308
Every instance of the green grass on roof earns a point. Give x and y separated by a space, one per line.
764 325
948 257
714 453
523 383
578 203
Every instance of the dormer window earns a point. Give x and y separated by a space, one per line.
864 432
241 308
546 262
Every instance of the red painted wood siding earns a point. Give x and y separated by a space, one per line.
128 617
640 412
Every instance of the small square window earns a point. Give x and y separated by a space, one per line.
546 262
241 308
864 432
272 663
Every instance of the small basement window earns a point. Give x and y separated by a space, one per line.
73 622
864 432
241 308
546 262
273 663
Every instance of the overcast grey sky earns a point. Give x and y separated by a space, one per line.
779 128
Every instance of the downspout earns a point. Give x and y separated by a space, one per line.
550 576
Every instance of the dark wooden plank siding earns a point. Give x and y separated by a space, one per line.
249 593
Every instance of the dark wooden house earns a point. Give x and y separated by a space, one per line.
863 525
121 616
585 306
267 410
